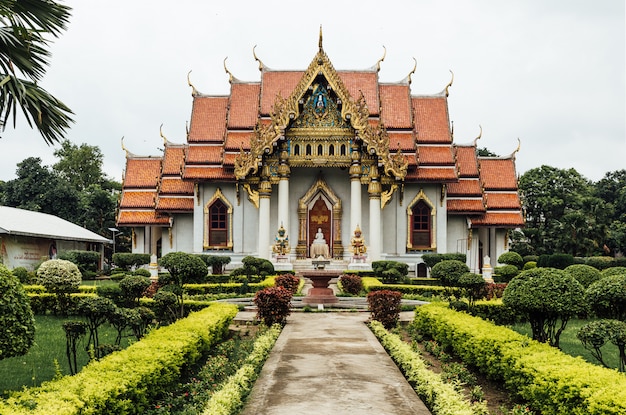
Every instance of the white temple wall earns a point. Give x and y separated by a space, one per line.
182 233
457 234
138 245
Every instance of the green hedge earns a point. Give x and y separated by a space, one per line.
231 287
548 379
125 381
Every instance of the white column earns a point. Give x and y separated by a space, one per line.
264 227
283 204
355 205
375 230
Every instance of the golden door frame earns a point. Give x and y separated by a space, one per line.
320 186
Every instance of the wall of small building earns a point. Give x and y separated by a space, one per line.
179 238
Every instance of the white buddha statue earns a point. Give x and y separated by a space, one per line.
319 237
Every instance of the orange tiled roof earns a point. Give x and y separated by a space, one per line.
502 200
173 158
235 140
184 204
208 119
244 105
434 155
274 83
466 160
498 173
431 119
362 81
142 172
137 199
207 173
464 188
432 174
395 105
465 205
175 186
405 139
141 218
503 219
204 154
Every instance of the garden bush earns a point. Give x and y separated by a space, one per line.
22 274
529 265
86 261
549 380
142 272
584 274
494 310
600 262
252 266
449 272
127 260
273 305
607 272
61 278
351 284
390 272
432 259
385 307
505 273
560 261
607 297
132 288
511 258
215 262
597 333
17 324
473 286
288 281
545 297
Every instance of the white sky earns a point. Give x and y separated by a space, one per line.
550 72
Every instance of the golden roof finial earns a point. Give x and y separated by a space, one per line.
124 147
450 83
194 91
256 58
381 59
413 71
519 145
320 41
230 75
479 135
162 135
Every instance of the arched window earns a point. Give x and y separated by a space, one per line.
331 150
296 150
420 225
308 149
320 150
218 222
343 150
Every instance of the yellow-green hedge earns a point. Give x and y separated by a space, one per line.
125 381
551 381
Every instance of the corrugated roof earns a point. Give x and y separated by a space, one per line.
14 221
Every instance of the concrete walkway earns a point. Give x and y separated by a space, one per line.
331 363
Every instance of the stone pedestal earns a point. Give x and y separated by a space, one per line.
320 293
487 273
282 263
358 263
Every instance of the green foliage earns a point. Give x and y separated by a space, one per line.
254 266
74 331
607 297
549 380
216 262
385 307
506 272
127 260
545 296
449 271
97 311
273 305
613 271
560 261
17 325
511 258
132 288
112 292
60 277
584 274
529 265
142 272
351 284
600 262
474 286
390 272
432 259
86 261
23 275
597 333
125 382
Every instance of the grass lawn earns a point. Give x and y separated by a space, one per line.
99 283
571 345
38 365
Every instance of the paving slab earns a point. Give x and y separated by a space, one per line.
331 363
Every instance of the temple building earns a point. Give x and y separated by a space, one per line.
320 153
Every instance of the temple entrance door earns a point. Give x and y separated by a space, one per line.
320 218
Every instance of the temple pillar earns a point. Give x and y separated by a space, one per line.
374 189
265 192
355 189
283 189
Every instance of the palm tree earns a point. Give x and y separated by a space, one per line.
25 26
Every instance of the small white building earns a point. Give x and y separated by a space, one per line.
28 238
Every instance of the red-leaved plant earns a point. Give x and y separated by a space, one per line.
288 281
385 307
351 284
273 305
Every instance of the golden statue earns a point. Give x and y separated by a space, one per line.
281 244
357 242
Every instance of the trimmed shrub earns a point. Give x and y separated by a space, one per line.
600 262
613 271
112 292
506 272
390 272
22 274
254 267
61 278
433 259
544 296
607 297
511 258
86 261
127 260
133 287
560 261
529 265
584 274
530 258
597 333
142 272
17 325
494 290
495 311
449 271
351 284
385 307
473 285
273 305
288 281
215 262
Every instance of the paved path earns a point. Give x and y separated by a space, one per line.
331 363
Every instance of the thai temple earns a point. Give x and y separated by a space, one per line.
316 155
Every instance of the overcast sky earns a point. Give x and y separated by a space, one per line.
550 72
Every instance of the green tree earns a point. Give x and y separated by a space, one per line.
26 27
612 189
184 269
545 297
17 324
449 271
60 277
81 166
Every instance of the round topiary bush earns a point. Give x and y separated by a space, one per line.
60 277
506 272
607 297
273 305
584 274
449 271
351 284
613 271
530 265
474 285
133 287
511 258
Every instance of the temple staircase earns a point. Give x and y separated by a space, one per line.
307 265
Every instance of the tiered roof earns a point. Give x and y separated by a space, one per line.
222 127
